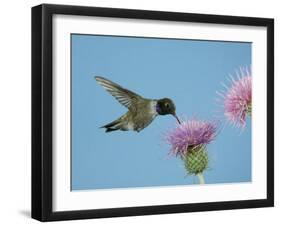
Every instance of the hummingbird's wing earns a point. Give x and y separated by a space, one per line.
124 96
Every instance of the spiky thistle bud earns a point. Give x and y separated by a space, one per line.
196 160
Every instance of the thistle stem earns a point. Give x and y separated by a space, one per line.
201 178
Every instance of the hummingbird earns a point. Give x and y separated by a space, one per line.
141 111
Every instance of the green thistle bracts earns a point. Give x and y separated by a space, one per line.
196 160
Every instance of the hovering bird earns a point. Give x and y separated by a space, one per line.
141 111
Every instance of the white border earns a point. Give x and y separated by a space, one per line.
64 199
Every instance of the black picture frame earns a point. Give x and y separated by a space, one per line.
42 111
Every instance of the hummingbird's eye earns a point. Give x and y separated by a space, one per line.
167 105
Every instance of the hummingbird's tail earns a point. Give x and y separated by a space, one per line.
115 125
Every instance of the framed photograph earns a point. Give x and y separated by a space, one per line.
145 112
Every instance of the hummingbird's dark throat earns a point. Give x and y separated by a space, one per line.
158 109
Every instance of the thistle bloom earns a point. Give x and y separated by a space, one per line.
238 99
189 141
190 134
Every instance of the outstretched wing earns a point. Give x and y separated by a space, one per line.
124 96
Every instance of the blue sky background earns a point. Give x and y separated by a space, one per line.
189 72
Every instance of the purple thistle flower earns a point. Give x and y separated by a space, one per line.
238 99
190 134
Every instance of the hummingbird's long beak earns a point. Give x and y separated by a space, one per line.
177 118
